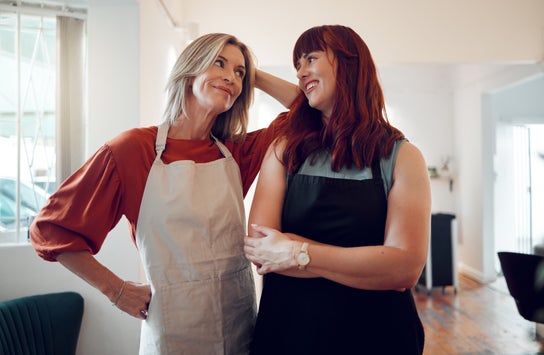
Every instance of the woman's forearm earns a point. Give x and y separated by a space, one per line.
130 297
84 265
371 267
282 90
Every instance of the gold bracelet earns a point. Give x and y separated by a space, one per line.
119 294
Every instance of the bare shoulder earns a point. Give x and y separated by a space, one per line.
408 149
410 161
410 154
276 148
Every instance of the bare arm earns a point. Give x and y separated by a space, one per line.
266 210
132 298
282 90
268 199
392 266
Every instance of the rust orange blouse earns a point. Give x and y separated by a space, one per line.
87 205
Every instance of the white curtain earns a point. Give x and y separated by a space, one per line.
71 94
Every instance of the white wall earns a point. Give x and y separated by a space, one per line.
419 102
160 44
397 31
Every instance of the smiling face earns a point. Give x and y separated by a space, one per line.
316 72
216 89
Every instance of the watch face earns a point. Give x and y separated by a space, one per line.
303 259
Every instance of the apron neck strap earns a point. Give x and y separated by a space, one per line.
224 150
377 172
160 142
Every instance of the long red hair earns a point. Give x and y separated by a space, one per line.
358 131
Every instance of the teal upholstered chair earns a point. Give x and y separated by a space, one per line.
41 324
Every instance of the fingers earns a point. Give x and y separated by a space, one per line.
262 231
251 244
249 251
254 232
143 314
260 270
259 234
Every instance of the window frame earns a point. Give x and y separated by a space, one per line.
69 97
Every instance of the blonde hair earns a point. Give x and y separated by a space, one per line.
195 59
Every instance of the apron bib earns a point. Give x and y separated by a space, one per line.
316 316
190 237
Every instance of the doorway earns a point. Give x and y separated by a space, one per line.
519 187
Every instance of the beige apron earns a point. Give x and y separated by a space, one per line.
190 237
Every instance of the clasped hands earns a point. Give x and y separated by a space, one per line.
270 250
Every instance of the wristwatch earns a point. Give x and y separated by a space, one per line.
303 258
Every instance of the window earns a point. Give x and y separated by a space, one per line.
30 123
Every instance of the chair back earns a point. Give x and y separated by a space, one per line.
524 276
47 324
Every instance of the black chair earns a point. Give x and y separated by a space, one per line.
45 324
524 275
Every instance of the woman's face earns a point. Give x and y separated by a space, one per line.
216 89
316 72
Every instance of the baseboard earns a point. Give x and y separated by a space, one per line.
474 274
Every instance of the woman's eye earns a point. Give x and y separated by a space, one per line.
241 73
219 63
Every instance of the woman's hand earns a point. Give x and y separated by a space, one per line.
133 298
130 297
270 250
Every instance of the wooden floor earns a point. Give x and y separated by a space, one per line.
478 319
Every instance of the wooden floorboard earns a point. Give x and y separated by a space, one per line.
478 319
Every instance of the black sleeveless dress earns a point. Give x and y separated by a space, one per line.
318 316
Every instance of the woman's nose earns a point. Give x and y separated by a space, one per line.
301 72
228 77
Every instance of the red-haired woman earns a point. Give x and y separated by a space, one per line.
340 220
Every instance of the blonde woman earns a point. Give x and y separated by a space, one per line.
181 187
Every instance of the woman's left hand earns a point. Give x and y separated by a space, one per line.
270 250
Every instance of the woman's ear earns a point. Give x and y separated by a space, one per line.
189 86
